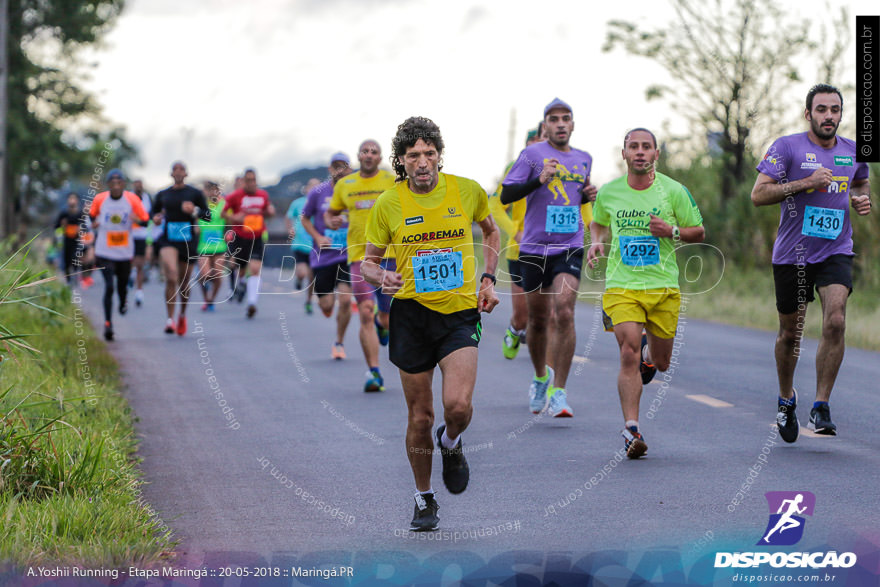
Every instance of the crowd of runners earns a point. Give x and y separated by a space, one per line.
397 248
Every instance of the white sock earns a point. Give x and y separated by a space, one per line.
448 442
646 354
253 289
631 423
430 491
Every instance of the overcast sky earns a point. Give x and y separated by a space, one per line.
280 85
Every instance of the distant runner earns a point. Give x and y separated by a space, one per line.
356 194
140 235
328 258
177 209
71 220
212 246
246 211
114 214
301 244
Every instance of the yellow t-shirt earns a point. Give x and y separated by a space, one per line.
511 223
430 234
357 195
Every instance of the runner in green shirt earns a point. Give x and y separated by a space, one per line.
643 215
212 247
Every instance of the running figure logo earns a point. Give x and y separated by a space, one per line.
786 525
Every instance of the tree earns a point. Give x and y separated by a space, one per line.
53 123
731 62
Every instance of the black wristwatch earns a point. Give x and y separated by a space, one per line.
490 276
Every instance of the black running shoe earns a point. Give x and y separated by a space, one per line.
425 517
820 421
455 468
647 370
108 331
787 422
123 308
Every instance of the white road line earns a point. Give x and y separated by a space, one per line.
709 401
807 432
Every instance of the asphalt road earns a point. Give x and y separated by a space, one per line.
295 461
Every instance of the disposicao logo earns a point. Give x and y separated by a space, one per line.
786 528
786 525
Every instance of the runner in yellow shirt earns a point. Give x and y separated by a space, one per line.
425 219
356 194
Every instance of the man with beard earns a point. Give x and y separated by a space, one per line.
815 178
554 177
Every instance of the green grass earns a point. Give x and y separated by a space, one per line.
746 297
69 485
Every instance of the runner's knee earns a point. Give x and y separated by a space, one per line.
421 420
834 326
458 411
630 356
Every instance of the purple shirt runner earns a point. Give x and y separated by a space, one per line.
553 222
317 203
813 224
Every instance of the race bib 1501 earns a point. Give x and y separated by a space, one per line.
438 271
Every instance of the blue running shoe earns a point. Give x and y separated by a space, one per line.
558 406
382 332
538 393
374 382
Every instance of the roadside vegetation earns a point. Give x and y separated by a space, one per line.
69 485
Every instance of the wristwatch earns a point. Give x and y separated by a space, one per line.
490 276
676 233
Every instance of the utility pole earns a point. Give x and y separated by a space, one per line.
4 83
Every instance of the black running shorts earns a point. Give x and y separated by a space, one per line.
420 337
329 276
795 283
538 271
140 247
186 250
514 268
243 250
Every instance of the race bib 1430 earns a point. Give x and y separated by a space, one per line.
822 222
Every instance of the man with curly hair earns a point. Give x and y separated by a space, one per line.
426 220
